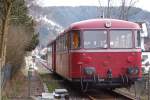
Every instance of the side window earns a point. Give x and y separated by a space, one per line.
75 40
65 46
67 40
49 56
57 45
61 43
49 49
137 39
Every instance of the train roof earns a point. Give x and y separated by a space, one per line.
100 24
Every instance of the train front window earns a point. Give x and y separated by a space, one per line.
120 39
95 39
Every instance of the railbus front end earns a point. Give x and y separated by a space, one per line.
100 52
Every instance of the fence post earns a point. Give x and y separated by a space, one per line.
135 92
29 82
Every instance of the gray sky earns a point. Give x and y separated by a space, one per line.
141 3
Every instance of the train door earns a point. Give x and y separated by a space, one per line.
72 44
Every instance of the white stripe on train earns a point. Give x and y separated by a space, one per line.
108 50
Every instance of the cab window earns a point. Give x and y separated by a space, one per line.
95 39
120 39
75 39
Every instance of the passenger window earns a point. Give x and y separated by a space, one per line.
67 40
64 42
57 45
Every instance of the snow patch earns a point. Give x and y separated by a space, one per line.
46 20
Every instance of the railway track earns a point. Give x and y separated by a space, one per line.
110 95
125 94
91 94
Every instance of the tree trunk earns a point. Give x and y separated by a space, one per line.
4 32
108 9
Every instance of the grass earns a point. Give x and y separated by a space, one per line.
52 86
144 97
50 82
4 98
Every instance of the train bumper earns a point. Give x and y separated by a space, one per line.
113 82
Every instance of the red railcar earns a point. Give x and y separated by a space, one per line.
102 52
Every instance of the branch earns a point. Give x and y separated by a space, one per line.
131 4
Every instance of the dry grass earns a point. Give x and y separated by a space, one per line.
17 87
50 82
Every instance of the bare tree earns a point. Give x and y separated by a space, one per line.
100 10
107 9
125 7
5 18
30 3
14 13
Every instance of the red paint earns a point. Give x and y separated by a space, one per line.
130 59
118 61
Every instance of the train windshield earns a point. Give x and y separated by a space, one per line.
95 39
121 39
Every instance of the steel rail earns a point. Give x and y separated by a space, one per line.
116 94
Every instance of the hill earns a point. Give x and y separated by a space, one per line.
52 20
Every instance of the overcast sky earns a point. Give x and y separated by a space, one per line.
144 4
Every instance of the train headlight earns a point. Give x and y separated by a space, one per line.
130 70
133 70
89 70
136 70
